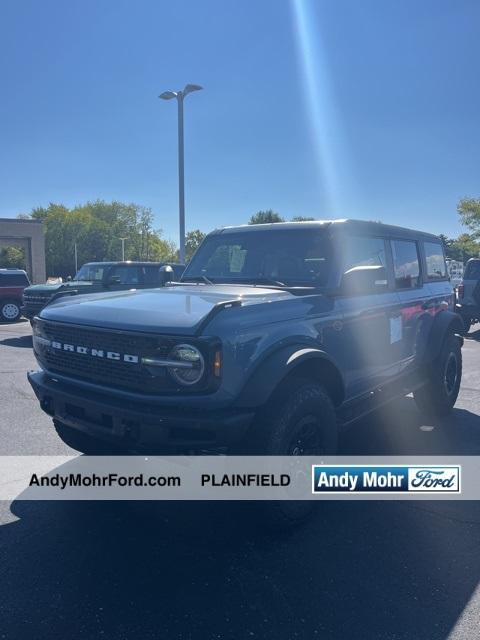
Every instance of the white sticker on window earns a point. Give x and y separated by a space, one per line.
237 259
395 329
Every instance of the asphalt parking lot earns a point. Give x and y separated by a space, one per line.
373 570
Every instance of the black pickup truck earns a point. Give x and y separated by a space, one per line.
99 276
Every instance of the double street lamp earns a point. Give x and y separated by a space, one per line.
180 95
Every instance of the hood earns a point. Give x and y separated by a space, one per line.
171 310
50 289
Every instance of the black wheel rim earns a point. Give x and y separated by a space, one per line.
306 438
451 373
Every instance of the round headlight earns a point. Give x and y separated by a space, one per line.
191 364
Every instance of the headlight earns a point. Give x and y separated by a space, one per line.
191 365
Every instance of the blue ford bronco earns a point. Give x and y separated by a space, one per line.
274 337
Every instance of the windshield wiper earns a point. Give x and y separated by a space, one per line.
277 283
197 279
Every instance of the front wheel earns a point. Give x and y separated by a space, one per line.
299 420
9 311
438 396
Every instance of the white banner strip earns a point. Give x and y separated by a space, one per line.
238 478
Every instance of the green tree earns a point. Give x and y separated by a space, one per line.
12 258
462 248
96 228
193 240
469 211
265 217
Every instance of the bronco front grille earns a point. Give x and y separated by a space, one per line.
108 372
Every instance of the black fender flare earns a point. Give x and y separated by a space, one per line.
271 371
445 323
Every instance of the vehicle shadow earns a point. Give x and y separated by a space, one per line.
24 342
201 570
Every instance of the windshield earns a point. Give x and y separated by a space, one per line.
90 273
294 257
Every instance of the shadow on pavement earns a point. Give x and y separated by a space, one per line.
364 570
22 342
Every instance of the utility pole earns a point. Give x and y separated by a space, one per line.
123 248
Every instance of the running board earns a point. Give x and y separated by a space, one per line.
361 406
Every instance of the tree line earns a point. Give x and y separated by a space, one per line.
95 230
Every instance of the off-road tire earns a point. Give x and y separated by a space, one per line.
299 420
7 308
438 396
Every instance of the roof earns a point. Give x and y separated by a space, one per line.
13 271
145 263
22 220
350 225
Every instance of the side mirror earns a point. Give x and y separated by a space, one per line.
69 278
364 279
166 274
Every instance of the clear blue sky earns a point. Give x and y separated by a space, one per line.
365 109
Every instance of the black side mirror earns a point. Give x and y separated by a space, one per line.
166 274
69 278
364 279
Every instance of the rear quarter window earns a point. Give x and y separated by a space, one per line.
435 259
14 280
406 264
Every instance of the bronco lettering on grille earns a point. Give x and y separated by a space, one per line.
95 353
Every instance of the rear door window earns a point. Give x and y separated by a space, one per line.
406 264
13 280
435 259
151 276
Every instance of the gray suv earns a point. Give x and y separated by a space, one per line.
275 336
469 294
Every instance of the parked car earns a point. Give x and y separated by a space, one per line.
99 276
12 285
468 294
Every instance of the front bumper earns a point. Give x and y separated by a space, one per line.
138 427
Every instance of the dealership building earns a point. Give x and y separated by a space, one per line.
27 235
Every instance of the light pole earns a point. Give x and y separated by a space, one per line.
180 95
123 248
